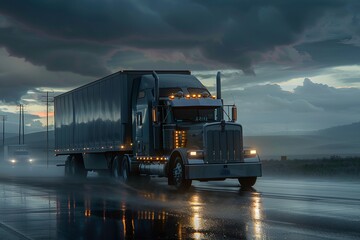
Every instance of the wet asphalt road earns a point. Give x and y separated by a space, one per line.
39 203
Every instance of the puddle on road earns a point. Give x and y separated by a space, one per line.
198 216
98 208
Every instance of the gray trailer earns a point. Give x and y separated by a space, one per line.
163 123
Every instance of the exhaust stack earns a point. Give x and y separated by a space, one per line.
218 85
156 88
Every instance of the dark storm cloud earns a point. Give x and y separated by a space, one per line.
55 54
332 52
230 34
18 76
309 97
264 109
138 60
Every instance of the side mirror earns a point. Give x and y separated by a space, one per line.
154 115
234 113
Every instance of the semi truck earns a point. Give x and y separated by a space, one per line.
157 123
17 155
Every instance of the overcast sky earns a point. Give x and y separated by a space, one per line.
288 65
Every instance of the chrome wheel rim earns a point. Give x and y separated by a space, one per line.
177 173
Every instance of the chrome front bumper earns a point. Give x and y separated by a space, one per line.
222 171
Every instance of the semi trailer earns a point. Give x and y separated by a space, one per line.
162 123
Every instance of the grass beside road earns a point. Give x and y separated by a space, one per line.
348 167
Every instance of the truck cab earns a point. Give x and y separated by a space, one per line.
180 133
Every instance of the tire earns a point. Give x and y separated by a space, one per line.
125 170
116 168
103 173
76 167
247 182
67 167
178 175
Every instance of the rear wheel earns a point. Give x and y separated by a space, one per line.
178 175
67 166
247 181
116 168
74 167
125 170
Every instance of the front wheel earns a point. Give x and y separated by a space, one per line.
247 182
178 175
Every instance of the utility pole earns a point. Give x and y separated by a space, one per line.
47 127
23 124
20 124
3 128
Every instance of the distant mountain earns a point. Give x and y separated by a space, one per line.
343 131
339 140
36 140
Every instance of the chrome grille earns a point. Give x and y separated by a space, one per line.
223 144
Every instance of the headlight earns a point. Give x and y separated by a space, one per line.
13 161
192 153
250 153
30 160
195 154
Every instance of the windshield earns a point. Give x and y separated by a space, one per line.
194 114
21 153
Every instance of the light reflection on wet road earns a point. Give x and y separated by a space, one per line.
42 207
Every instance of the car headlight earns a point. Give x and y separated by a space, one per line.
31 160
13 161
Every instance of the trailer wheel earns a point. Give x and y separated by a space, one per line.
178 175
125 170
115 168
67 166
76 167
247 182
